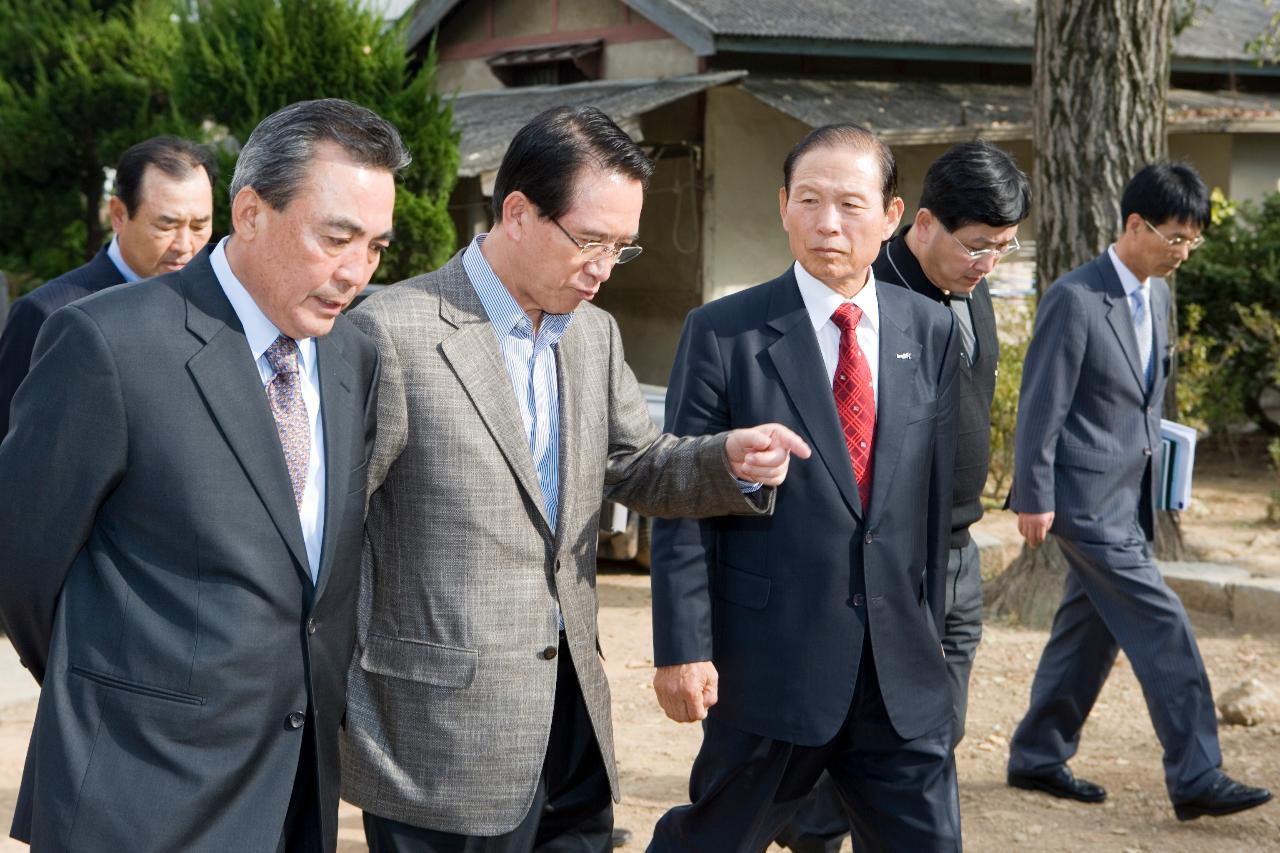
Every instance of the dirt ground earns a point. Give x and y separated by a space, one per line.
1119 749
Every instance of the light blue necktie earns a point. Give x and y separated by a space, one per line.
1142 328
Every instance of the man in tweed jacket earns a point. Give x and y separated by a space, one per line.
478 707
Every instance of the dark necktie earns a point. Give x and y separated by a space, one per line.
855 398
284 394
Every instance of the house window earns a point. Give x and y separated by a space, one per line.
551 64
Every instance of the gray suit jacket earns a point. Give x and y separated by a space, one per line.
153 574
1088 427
450 699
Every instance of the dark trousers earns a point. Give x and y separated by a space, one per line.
1114 599
820 825
897 794
572 809
302 832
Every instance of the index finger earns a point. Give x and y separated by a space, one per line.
790 442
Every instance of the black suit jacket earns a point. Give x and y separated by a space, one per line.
28 314
154 577
782 604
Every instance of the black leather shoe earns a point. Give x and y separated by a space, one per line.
1226 796
1060 783
621 837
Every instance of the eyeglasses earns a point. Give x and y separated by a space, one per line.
998 252
1179 241
600 251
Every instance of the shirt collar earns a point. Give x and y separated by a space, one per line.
821 301
117 258
260 332
504 313
1128 280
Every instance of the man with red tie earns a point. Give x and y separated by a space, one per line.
809 640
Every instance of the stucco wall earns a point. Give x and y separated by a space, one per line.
744 243
658 58
1255 165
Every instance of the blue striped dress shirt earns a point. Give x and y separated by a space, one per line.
531 365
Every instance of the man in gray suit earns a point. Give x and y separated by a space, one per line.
478 711
1088 433
184 487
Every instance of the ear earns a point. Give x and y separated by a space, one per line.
119 213
893 216
782 206
1133 223
518 214
247 209
923 225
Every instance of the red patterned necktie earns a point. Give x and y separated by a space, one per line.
855 398
284 394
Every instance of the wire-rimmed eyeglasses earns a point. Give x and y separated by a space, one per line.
1177 241
997 251
593 251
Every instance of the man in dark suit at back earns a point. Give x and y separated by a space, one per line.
180 550
811 640
162 216
1088 432
973 198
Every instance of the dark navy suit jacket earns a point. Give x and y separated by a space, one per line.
781 604
28 314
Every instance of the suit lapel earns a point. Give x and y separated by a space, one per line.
897 378
473 354
1120 316
228 380
336 381
571 353
1160 325
796 357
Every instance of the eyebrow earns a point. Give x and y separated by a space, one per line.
353 227
596 237
167 220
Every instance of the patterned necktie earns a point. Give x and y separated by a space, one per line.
284 394
1142 329
855 398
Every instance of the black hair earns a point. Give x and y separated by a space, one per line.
855 136
171 155
547 154
1167 191
277 157
976 182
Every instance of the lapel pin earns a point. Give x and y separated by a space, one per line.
904 355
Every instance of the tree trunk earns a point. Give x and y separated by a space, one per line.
1101 83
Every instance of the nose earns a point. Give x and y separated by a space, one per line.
184 241
600 268
828 221
986 263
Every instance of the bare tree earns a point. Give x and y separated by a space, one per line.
1100 87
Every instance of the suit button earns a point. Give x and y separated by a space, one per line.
549 653
1146 451
557 565
858 599
311 626
295 720
869 538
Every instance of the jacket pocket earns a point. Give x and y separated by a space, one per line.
744 588
414 660
117 683
923 412
1081 457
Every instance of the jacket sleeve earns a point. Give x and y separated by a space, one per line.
683 551
1049 376
660 474
67 450
16 344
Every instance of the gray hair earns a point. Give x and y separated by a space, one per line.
278 154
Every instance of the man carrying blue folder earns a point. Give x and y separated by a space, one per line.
1088 430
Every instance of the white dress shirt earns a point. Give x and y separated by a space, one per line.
821 302
261 333
117 258
1143 329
